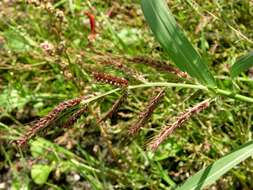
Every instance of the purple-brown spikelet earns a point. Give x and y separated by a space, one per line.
146 114
182 118
47 120
159 65
75 117
109 79
115 106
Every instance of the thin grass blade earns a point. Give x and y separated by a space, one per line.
242 64
173 40
213 172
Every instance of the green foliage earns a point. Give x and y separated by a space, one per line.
213 172
172 39
16 42
242 64
11 99
40 173
166 31
105 156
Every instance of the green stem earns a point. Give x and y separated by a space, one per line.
168 84
180 85
234 96
243 79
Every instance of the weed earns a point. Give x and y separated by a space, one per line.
52 52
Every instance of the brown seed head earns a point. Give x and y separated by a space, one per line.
181 119
159 65
47 120
115 106
75 117
144 116
109 79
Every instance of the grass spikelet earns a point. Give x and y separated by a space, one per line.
109 79
115 106
180 120
146 114
159 65
47 120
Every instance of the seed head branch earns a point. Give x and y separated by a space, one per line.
48 119
115 106
75 117
144 116
159 65
181 119
109 79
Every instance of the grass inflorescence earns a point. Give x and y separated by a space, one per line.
109 79
145 115
93 74
180 120
50 118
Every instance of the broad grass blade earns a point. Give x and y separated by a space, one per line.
213 172
173 40
242 64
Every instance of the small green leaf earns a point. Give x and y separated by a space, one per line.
40 173
20 183
37 148
173 40
213 172
16 42
242 64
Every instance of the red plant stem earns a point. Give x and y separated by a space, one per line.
92 22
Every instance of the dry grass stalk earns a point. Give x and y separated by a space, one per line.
109 79
71 121
159 65
181 119
48 119
144 116
115 106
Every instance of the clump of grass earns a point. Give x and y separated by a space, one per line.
133 164
48 6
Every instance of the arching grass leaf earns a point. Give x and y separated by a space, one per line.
242 64
173 40
213 172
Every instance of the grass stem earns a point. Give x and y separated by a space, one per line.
179 85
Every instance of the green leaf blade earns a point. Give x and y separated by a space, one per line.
213 172
242 64
172 39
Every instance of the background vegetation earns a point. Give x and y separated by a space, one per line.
47 54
